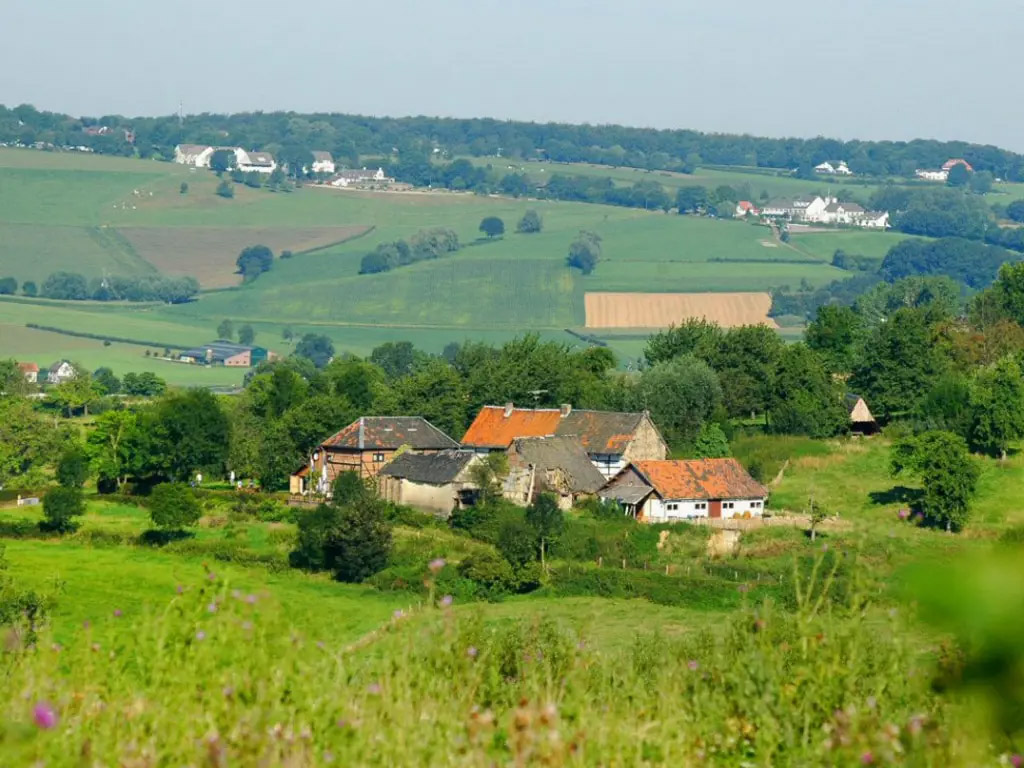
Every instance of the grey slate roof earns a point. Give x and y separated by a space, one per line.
390 433
430 468
601 431
564 453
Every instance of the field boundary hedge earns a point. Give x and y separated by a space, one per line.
102 337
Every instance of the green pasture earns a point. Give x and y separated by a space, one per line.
823 245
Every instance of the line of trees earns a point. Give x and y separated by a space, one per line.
75 287
425 244
416 138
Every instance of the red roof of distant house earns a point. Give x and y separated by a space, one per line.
493 429
746 205
948 165
700 479
28 367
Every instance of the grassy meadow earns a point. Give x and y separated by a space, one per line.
141 656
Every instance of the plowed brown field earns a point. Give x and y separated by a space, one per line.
660 310
209 253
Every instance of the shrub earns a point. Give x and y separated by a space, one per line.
530 223
353 542
173 506
491 572
517 541
60 507
225 189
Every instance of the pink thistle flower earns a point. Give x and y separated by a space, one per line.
117 613
867 759
692 665
471 651
250 599
1016 761
212 607
446 601
200 635
211 576
436 565
179 589
44 715
373 689
903 514
86 624
399 614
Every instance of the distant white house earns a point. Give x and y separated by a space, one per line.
815 209
196 155
60 372
258 162
323 162
932 175
347 178
834 170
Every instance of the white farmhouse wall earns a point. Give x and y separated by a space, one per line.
656 510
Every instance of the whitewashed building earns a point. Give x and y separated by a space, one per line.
672 491
323 162
195 155
350 177
254 162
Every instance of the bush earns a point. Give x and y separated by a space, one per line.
225 190
518 542
352 542
60 507
530 223
491 572
173 506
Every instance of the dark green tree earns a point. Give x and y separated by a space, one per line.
226 330
959 176
1015 211
805 399
692 199
947 472
492 226
681 395
353 541
517 542
73 466
834 335
397 358
696 336
8 286
190 434
174 506
254 261
997 407
29 288
225 189
315 347
60 508
145 384
222 160
711 443
183 189
547 520
107 382
530 223
585 252
246 335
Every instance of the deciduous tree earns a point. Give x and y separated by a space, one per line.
947 472
492 226
997 407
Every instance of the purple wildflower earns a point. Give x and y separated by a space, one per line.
200 635
117 613
446 601
211 576
692 665
436 565
398 614
903 514
247 625
250 599
44 715
1016 761
471 651
581 645
743 588
373 689
212 607
867 759
342 722
229 691
320 644
86 624
179 589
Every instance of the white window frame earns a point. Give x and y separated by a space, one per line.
378 457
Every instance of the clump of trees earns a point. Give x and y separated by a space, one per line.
73 286
8 286
425 244
585 252
530 223
254 261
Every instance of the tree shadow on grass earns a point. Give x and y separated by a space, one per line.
898 494
157 538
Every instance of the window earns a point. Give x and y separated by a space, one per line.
378 457
672 507
728 505
701 505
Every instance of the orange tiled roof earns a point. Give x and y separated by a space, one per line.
491 428
700 479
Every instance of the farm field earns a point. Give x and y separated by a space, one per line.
822 245
659 310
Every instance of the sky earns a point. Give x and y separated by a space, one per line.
870 69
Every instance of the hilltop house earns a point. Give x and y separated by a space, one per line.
838 170
254 162
556 465
932 175
196 155
322 162
365 446
828 210
610 439
60 372
222 352
431 482
30 371
669 491
348 178
948 165
744 207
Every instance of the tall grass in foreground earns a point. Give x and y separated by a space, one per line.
219 678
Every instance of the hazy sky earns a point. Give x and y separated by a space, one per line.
868 69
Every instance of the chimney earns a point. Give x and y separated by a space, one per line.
566 409
508 410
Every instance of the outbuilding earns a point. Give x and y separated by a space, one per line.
430 482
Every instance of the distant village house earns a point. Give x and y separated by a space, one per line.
838 170
221 352
348 178
670 491
436 483
555 465
60 372
323 162
610 439
30 371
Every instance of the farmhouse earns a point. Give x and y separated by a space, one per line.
30 371
365 446
254 162
196 155
668 491
222 352
610 439
432 482
557 465
744 207
349 178
948 165
861 420
932 175
322 162
828 210
838 170
60 372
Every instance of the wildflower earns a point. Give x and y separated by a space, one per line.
446 601
211 576
320 644
236 594
200 635
399 614
903 514
581 645
915 724
867 759
328 757
471 651
86 624
117 613
693 665
373 689
179 589
436 565
44 715
229 691
1016 761
250 599
212 607
872 702
95 647
342 723
743 588
57 647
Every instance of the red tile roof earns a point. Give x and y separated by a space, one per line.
700 479
28 367
948 165
493 429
